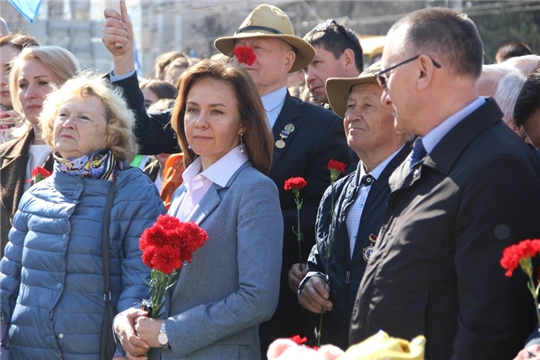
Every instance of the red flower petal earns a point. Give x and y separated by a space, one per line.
298 340
170 242
295 183
514 253
337 165
245 54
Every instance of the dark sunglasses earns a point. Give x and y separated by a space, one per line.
381 78
325 25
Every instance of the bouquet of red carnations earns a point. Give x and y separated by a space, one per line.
166 246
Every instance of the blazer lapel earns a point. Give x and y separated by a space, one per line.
176 202
289 113
208 203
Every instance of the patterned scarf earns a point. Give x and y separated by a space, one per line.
100 164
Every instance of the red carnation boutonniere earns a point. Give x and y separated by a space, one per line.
520 255
245 54
38 173
166 246
296 184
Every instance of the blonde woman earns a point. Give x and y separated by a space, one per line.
52 297
34 74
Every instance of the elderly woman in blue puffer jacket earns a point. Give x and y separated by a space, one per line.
51 276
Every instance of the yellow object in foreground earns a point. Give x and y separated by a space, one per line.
382 347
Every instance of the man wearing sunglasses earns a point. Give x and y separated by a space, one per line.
469 189
338 54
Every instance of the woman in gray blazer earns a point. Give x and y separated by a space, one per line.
232 284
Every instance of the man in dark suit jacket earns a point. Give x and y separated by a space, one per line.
470 189
360 201
306 136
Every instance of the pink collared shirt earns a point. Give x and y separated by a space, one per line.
197 183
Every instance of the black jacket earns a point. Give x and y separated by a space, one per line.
436 267
345 273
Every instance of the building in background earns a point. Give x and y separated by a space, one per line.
191 26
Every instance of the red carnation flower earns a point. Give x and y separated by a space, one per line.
245 54
337 165
520 254
38 170
295 183
166 245
170 242
38 173
336 168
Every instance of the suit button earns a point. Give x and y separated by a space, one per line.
61 336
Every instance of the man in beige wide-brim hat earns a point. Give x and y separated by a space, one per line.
269 21
338 89
361 197
306 137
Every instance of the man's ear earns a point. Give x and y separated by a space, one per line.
425 69
290 57
348 60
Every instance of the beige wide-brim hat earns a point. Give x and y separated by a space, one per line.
338 89
269 21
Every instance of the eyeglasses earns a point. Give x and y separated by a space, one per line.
381 78
325 25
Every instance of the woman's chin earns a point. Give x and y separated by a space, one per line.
68 154
33 120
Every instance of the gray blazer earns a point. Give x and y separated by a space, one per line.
232 284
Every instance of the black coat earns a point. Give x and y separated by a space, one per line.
435 270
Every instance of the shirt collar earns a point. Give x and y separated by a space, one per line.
274 99
219 172
434 136
379 168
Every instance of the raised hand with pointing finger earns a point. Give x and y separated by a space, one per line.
117 36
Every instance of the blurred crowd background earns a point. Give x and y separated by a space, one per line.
192 26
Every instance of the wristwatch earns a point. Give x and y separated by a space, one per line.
162 338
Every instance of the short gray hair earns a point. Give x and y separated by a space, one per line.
508 91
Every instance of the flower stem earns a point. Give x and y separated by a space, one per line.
328 253
319 330
299 232
534 291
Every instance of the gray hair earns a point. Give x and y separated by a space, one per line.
507 93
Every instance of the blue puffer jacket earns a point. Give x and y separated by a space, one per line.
51 277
